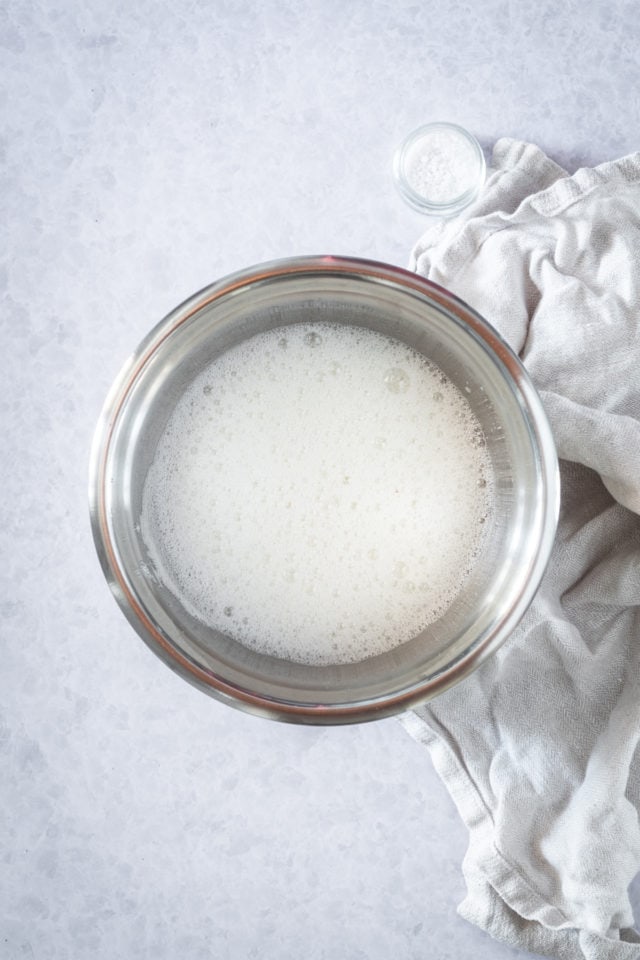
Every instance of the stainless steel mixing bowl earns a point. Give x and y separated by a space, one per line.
396 303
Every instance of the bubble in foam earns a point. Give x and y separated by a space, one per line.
256 530
397 380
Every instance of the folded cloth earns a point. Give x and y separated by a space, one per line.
539 747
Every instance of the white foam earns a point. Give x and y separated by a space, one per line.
318 494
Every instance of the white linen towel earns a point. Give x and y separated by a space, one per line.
539 747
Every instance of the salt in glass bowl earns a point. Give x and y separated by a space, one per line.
439 169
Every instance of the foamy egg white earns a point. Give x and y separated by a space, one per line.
319 494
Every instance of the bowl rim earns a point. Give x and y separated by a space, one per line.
241 697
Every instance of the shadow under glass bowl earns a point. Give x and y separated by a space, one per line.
429 319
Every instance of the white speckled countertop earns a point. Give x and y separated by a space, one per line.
148 149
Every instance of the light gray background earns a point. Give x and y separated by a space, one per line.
148 149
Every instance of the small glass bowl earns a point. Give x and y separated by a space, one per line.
439 169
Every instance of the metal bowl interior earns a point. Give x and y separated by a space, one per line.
427 318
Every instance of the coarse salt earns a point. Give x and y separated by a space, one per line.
442 165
